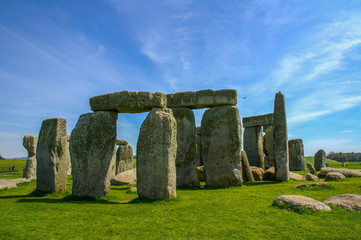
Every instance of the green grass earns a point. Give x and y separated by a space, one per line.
4 168
245 212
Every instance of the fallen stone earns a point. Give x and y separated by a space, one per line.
318 184
30 143
334 176
52 156
311 168
92 150
320 159
4 183
221 146
346 172
156 154
296 177
257 173
202 99
246 169
253 146
296 155
351 202
200 172
310 177
121 142
258 121
269 174
128 102
125 178
293 201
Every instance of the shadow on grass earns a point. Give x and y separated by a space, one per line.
257 183
70 199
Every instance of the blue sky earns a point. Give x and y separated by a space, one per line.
55 55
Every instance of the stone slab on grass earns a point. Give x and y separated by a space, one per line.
334 176
125 178
319 184
351 202
293 201
345 172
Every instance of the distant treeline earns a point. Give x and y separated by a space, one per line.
344 157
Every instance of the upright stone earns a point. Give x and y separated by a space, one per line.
296 155
124 159
92 150
156 154
30 142
199 161
253 145
280 141
221 146
246 169
320 159
268 147
52 156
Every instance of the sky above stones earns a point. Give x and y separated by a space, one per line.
55 55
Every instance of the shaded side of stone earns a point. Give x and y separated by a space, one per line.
186 147
52 156
30 142
311 168
296 155
121 142
246 169
221 146
268 147
156 155
253 145
92 150
320 159
124 159
199 161
280 140
258 121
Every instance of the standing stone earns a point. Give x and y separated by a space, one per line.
246 169
268 147
156 154
92 150
199 161
52 156
311 168
221 146
124 159
320 159
253 145
186 147
280 141
296 156
30 142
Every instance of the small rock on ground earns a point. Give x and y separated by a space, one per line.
351 202
310 177
302 201
125 178
334 176
319 184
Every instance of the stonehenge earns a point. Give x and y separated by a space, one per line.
296 156
30 142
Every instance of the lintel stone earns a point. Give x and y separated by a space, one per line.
258 121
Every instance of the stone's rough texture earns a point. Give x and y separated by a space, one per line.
296 177
257 173
128 102
186 147
351 202
200 172
311 168
320 160
121 142
253 145
124 159
125 178
11 183
293 201
310 177
199 161
296 156
345 172
221 146
270 174
258 121
334 176
52 156
319 184
280 141
246 169
268 147
202 99
30 142
92 150
156 154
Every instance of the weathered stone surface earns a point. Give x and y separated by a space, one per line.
318 184
296 177
311 168
121 142
246 169
346 172
270 174
280 141
202 99
320 159
351 202
12 183
30 142
125 178
296 155
310 177
52 156
253 145
156 154
186 147
92 150
257 173
200 172
258 121
221 146
199 161
128 102
124 159
268 147
334 176
293 201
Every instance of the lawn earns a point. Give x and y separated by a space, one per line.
244 212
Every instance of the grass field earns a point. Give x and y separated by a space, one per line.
244 212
